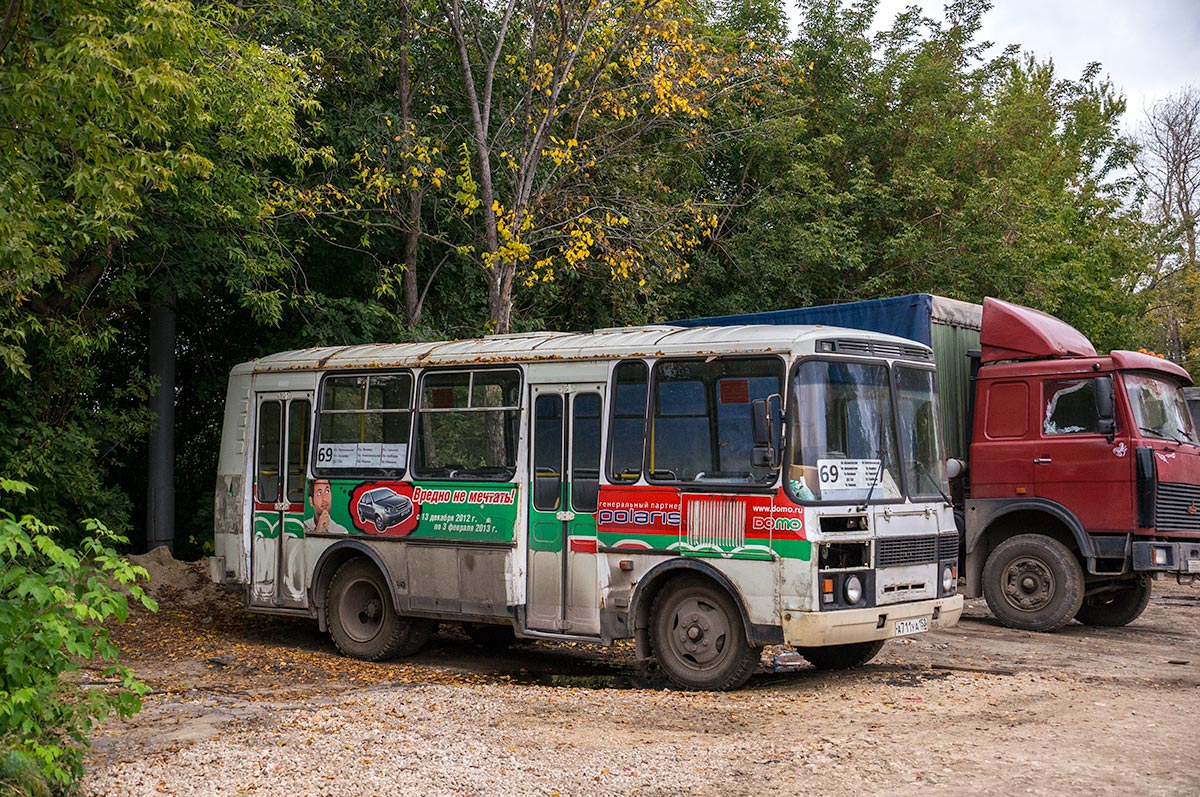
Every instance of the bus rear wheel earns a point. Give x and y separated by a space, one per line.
698 636
362 620
1116 607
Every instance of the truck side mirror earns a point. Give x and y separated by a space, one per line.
1105 406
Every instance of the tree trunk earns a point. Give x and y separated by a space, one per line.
160 493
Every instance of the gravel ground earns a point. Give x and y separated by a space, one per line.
265 707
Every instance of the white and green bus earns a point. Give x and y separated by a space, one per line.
704 491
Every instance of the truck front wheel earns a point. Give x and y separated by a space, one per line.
1116 607
1033 582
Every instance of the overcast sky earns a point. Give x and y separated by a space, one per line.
1148 48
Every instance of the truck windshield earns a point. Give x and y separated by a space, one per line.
843 442
921 450
1158 408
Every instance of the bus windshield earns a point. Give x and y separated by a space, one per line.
920 434
843 442
1158 408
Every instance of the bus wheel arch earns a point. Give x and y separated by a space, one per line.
360 612
327 565
688 617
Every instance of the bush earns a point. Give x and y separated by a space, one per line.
55 604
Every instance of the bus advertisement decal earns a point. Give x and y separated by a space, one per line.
468 512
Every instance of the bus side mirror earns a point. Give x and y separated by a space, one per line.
1105 406
760 422
766 424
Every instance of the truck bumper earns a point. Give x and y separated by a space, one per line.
817 629
1167 557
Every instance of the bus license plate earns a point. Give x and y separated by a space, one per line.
1193 566
913 626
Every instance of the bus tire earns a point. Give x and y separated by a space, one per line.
1117 607
360 615
698 636
1033 582
420 631
841 657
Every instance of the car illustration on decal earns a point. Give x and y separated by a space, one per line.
384 507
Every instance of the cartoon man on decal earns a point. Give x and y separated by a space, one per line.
321 495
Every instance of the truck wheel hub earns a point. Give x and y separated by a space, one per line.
1028 584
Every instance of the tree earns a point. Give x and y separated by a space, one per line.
923 167
1168 166
134 160
55 608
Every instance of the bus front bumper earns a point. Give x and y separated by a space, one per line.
817 629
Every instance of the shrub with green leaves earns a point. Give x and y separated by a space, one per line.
55 608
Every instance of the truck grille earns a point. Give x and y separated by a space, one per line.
906 551
947 547
1177 507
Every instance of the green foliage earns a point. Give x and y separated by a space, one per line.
55 604
135 162
920 166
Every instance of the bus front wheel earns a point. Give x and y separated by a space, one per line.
841 657
698 636
362 620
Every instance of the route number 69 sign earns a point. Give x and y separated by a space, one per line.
847 474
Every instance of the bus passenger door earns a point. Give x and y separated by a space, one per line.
280 463
562 593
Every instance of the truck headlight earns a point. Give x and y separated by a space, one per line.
854 590
949 579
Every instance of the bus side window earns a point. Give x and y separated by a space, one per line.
363 425
627 431
585 453
467 423
547 452
270 430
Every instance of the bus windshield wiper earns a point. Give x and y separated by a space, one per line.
878 478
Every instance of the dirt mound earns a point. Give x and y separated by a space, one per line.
174 581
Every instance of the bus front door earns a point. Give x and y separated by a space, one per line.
562 591
280 464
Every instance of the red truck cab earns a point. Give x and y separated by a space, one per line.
1084 475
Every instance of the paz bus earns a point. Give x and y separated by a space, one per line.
702 491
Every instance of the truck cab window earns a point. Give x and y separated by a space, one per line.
1070 407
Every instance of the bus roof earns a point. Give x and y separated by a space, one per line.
643 341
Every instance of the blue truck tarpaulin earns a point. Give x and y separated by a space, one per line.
904 316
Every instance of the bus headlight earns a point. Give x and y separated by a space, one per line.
854 590
949 579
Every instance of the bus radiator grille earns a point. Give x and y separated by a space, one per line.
905 551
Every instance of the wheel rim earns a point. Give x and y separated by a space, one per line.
699 633
1028 584
360 610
